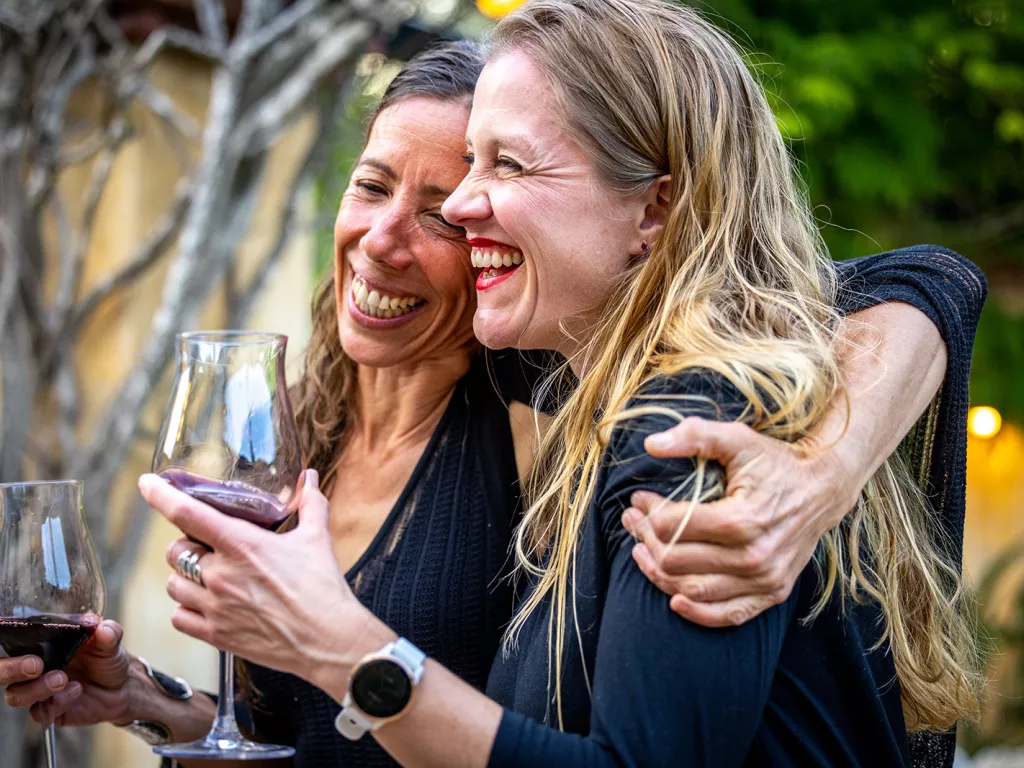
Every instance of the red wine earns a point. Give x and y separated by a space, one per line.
232 497
54 639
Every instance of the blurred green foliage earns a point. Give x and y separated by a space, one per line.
907 119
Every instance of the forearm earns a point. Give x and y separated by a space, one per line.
893 362
449 724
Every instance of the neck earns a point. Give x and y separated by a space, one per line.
405 402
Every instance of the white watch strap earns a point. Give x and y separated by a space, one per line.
353 723
350 721
411 656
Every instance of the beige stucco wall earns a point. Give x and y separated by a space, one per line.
140 187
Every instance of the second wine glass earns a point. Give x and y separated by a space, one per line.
229 439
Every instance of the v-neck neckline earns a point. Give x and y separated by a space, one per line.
410 485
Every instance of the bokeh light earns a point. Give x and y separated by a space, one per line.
984 421
495 9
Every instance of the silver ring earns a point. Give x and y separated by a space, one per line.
189 567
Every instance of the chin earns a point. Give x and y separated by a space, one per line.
364 351
494 331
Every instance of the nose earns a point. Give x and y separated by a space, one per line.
387 239
468 203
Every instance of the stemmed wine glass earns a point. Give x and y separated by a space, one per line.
51 588
229 439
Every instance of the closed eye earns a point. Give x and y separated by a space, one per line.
508 163
373 189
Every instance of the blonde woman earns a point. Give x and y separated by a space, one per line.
624 152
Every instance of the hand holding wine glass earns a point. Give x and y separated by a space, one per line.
91 690
51 589
280 601
229 440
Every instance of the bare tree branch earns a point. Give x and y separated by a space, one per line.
174 37
143 257
213 25
282 24
161 105
314 159
71 271
273 114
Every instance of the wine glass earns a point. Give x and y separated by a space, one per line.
51 589
229 439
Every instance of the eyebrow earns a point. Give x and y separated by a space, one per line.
387 170
511 141
384 168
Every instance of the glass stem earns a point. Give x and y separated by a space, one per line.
50 740
224 726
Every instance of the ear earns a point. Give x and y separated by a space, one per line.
656 200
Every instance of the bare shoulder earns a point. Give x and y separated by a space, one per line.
528 427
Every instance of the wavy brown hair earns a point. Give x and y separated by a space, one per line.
324 397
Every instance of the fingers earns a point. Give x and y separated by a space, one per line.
192 517
314 509
725 522
188 594
730 613
53 710
176 547
19 669
693 436
106 640
34 691
192 624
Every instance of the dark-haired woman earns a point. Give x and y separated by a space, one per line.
418 454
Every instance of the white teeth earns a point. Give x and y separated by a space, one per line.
484 259
375 305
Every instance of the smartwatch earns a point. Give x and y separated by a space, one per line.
380 688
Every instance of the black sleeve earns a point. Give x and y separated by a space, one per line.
666 692
942 284
526 376
951 291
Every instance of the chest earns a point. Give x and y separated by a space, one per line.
365 491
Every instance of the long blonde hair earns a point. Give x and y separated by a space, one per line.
738 283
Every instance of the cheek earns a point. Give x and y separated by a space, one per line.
452 278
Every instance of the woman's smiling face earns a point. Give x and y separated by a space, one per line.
391 242
533 195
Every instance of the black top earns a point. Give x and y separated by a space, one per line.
643 687
668 692
432 572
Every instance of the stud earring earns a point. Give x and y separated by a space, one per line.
643 246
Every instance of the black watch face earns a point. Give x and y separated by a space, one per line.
381 688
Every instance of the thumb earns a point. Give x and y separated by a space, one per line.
107 638
314 509
723 441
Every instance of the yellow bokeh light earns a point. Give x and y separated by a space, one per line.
984 421
495 9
